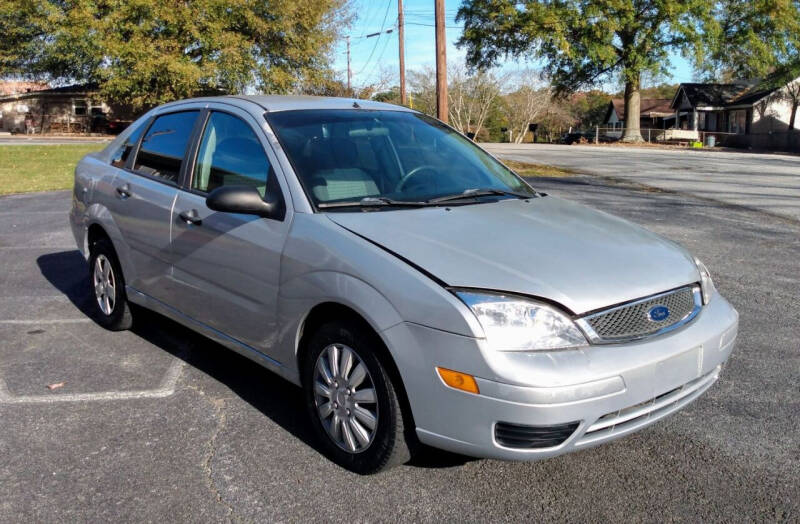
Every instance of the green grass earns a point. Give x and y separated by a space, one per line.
40 168
47 168
527 169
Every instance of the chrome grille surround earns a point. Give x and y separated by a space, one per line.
631 321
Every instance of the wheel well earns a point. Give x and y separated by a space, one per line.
332 311
95 234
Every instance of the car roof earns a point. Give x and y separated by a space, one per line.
275 103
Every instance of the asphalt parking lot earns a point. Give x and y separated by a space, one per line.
764 182
158 424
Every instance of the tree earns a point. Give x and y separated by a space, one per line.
470 98
146 52
422 90
659 91
590 108
787 81
791 94
760 39
530 100
583 42
19 33
749 39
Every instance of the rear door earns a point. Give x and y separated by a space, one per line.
145 192
227 265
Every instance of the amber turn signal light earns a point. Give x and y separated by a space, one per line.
458 380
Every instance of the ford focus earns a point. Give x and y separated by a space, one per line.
412 286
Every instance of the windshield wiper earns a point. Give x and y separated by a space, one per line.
479 192
371 202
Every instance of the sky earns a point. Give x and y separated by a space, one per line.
370 56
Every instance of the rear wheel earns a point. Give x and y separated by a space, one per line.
351 399
112 310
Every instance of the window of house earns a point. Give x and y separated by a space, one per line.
737 122
79 107
230 154
164 146
711 122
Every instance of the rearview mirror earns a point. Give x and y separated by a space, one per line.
246 200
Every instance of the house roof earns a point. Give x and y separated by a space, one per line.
711 94
722 95
753 96
76 89
12 87
648 107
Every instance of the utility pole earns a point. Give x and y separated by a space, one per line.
349 71
400 37
441 63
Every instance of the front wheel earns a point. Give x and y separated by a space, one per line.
352 401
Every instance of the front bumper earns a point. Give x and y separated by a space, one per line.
609 390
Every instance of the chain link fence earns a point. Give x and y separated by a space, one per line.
788 141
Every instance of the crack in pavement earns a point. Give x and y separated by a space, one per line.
221 415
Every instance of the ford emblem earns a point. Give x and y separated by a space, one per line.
658 313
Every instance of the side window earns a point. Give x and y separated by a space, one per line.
164 146
230 154
124 151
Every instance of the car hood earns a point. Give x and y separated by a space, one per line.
545 247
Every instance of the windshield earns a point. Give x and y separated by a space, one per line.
351 155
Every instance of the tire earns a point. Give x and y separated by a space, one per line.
348 399
110 304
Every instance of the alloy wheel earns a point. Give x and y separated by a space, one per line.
104 284
344 394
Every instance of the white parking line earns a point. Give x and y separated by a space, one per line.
165 389
52 321
6 213
39 247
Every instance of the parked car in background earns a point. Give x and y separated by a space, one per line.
413 286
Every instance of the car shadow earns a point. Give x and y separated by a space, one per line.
68 272
272 395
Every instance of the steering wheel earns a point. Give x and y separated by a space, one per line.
414 172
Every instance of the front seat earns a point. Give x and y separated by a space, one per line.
339 176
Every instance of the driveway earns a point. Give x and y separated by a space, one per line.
765 182
158 424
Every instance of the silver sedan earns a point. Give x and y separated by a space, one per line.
415 288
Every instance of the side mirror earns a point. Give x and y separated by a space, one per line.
246 200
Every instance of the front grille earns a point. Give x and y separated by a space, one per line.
633 320
532 437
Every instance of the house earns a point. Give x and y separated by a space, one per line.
12 87
740 108
75 108
652 112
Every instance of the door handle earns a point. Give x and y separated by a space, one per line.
191 217
124 191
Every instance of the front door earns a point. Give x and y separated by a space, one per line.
227 265
145 193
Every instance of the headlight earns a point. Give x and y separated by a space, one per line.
517 324
706 284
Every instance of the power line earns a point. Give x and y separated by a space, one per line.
368 15
432 25
377 40
380 56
